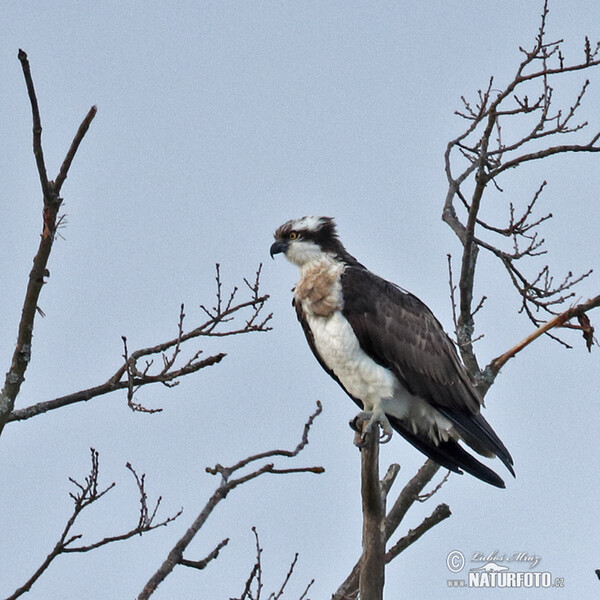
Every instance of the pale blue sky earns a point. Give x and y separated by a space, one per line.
217 121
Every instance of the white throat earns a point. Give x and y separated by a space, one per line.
303 253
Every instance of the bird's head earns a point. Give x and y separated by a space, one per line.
307 239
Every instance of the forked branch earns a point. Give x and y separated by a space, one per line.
411 493
254 586
488 149
138 368
229 483
88 493
39 272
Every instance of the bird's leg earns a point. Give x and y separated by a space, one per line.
364 422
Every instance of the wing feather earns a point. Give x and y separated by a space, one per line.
449 454
399 332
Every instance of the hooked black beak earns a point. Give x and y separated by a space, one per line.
278 248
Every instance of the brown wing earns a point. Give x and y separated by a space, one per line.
399 332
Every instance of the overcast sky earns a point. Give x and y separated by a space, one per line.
217 121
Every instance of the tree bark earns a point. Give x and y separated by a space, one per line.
372 573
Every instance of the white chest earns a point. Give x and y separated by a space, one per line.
368 381
319 293
360 375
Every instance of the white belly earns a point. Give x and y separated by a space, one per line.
359 374
363 378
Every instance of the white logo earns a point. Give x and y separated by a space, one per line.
492 574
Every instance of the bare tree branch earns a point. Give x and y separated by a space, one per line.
22 353
86 494
66 164
410 494
131 375
440 513
388 480
226 472
276 596
228 484
372 572
38 152
480 155
560 320
202 564
256 574
435 490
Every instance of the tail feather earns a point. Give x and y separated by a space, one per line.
449 454
477 428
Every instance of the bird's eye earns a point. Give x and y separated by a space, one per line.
292 235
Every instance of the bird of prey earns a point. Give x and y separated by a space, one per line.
387 351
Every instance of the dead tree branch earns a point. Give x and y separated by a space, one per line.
372 572
132 374
483 153
255 573
202 564
276 596
255 578
137 370
85 494
228 484
440 513
411 493
51 202
561 320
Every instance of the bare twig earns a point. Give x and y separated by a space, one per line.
131 387
435 490
202 564
87 493
305 592
256 574
131 376
489 153
452 295
276 596
226 472
228 484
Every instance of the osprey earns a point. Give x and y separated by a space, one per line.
387 351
